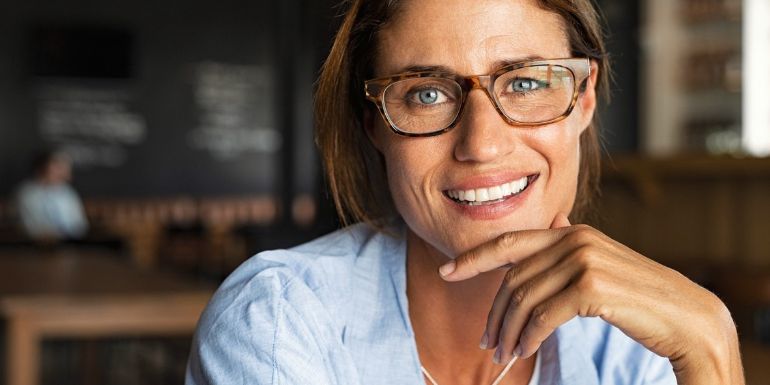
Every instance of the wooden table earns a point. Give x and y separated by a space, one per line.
87 294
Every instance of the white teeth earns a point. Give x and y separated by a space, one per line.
492 193
482 195
506 187
495 193
522 184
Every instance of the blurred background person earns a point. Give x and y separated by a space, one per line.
49 208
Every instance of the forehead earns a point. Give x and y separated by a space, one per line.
468 36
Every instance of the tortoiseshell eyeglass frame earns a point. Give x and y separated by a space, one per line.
579 68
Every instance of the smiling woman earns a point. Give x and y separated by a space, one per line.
461 135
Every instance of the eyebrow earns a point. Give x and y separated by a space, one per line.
445 69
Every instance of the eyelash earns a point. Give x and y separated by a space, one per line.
540 85
412 93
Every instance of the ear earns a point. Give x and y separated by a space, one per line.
369 127
587 102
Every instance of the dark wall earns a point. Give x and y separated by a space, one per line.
620 119
280 43
217 99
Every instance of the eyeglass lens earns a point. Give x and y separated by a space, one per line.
527 95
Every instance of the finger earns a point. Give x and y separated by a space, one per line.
525 299
561 220
545 318
508 248
514 278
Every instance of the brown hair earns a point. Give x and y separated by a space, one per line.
355 170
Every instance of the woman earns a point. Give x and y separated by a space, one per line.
481 278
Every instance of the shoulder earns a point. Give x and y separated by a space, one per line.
285 306
279 318
618 358
300 276
321 265
26 188
29 195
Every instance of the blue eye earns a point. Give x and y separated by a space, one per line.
526 85
428 96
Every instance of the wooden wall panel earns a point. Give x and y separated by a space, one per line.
715 211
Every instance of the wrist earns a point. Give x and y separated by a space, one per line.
714 356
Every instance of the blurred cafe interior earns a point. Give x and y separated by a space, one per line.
186 130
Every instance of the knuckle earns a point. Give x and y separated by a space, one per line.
584 256
508 240
520 295
511 276
573 239
469 259
517 298
540 317
583 234
597 310
590 283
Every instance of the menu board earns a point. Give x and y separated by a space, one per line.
216 101
184 122
95 125
234 105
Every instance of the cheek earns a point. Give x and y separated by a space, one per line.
414 167
568 168
409 168
411 163
559 144
409 188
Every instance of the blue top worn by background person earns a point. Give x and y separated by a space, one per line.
50 211
335 311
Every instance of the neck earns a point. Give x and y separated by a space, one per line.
449 319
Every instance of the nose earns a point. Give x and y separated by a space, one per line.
483 134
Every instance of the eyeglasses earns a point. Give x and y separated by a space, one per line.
526 94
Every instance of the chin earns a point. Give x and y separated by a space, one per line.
463 235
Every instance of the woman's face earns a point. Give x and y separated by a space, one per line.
482 151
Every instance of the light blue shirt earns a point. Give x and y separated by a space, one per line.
335 311
51 211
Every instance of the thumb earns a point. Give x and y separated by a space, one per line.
560 221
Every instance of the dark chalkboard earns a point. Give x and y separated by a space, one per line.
176 97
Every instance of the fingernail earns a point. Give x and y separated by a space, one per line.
498 358
518 351
484 341
447 269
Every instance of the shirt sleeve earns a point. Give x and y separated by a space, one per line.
621 360
659 372
31 214
260 332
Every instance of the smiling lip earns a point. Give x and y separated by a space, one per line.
493 209
485 181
